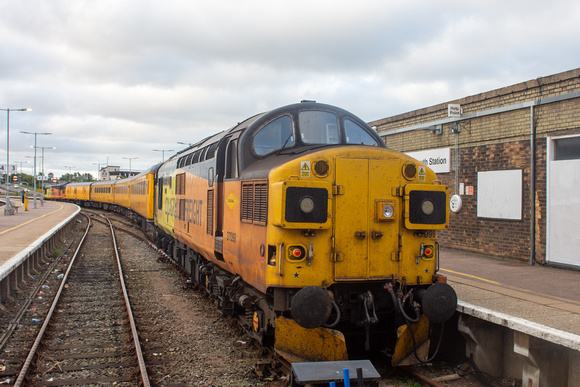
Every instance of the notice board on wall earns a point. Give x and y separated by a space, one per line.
499 194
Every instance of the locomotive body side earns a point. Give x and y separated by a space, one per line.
165 210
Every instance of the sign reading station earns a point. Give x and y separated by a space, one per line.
439 160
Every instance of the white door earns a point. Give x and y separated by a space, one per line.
563 201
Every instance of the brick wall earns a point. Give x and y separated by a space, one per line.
495 142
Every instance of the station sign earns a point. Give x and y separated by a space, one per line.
453 110
439 160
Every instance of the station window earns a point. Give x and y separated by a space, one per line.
567 148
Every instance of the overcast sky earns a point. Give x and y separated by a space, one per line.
118 78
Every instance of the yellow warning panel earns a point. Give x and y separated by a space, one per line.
298 344
232 201
404 354
305 169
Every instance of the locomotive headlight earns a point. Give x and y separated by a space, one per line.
385 210
427 207
388 211
307 204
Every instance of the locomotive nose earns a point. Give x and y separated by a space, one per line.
439 302
311 307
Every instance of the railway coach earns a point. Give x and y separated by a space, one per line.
302 224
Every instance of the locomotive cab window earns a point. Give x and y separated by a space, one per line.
276 135
318 127
357 135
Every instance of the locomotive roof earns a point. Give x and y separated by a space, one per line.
251 125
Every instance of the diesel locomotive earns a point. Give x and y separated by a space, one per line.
303 226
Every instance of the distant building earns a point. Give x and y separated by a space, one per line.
113 172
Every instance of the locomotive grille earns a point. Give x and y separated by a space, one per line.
260 203
248 202
255 202
210 212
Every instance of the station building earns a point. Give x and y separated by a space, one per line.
114 172
511 158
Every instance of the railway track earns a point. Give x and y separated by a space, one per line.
89 335
184 339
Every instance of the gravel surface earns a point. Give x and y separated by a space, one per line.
186 342
183 335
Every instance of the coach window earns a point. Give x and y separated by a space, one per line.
357 135
202 154
211 151
276 135
196 156
318 127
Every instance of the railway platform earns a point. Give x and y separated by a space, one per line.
518 320
26 236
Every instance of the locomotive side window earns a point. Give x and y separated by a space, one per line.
357 135
232 160
318 127
276 135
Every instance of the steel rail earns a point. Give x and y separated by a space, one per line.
140 359
41 281
34 348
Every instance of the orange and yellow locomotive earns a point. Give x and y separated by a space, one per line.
306 228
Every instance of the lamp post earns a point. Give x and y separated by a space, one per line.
69 171
35 135
163 153
130 158
8 209
42 170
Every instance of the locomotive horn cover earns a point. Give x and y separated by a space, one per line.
311 307
439 302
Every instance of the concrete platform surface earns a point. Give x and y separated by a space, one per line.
547 296
19 231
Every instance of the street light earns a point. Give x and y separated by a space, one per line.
163 153
35 134
69 171
42 169
130 158
8 209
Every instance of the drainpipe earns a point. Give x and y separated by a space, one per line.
532 186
